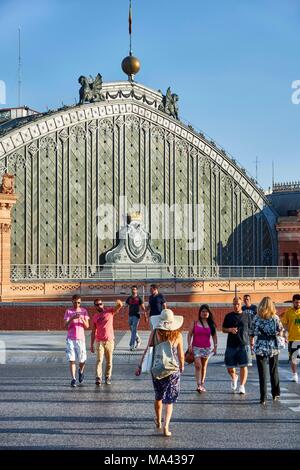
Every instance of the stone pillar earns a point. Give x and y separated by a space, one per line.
7 201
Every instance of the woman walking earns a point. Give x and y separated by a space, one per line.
266 328
168 364
199 343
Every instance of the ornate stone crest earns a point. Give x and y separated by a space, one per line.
134 245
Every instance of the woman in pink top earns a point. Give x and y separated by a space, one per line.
199 343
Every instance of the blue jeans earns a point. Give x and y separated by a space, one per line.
133 324
249 355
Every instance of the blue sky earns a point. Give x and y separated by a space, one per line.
232 63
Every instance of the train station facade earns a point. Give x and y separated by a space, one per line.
119 190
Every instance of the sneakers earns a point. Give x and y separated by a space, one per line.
73 383
234 383
276 397
98 381
138 342
108 381
80 376
132 348
295 378
242 390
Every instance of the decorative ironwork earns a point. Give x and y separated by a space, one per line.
126 148
17 161
94 272
289 186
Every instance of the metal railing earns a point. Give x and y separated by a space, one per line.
50 272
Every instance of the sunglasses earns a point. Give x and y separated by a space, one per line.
98 305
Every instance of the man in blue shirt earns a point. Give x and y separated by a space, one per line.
157 301
135 305
252 310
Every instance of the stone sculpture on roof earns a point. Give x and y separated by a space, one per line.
91 89
170 104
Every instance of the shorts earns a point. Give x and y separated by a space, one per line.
236 357
293 346
201 352
75 350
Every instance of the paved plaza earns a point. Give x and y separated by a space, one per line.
39 409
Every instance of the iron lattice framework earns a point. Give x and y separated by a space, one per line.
71 162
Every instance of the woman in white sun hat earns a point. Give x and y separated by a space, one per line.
168 364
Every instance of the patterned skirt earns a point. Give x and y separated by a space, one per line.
167 389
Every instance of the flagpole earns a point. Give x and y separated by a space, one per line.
130 27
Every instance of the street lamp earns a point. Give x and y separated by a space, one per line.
235 290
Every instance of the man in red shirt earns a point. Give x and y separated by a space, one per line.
103 332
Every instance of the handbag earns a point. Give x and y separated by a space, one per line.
189 357
280 342
147 361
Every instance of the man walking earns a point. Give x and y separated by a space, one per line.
136 307
103 332
238 325
76 320
157 301
248 306
252 310
291 320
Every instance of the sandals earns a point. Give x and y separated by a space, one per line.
201 389
157 424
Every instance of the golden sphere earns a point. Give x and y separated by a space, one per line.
130 65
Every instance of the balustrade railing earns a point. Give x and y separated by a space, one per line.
52 272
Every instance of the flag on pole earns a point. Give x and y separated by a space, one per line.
130 18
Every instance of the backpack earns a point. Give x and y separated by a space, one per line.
164 362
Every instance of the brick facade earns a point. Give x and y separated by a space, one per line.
50 317
288 229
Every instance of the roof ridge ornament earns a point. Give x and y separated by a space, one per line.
91 89
169 104
130 64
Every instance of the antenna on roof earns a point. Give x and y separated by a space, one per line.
272 174
256 169
19 69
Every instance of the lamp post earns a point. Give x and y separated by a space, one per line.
228 290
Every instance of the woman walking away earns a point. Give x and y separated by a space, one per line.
199 343
168 364
267 327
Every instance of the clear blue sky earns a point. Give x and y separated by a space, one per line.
232 63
